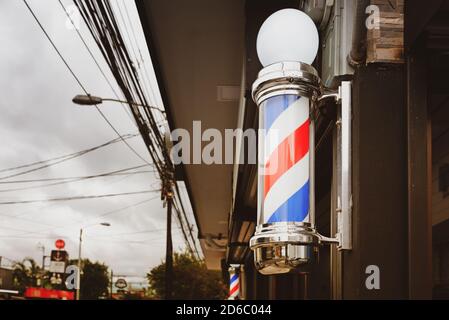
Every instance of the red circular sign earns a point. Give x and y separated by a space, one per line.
60 244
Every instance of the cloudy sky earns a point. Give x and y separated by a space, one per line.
38 121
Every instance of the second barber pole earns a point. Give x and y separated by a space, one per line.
234 283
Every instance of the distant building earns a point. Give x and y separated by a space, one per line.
6 279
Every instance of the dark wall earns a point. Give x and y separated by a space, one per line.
379 184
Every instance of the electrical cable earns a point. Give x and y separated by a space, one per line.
127 136
58 160
100 20
113 173
71 224
73 178
93 57
79 82
78 197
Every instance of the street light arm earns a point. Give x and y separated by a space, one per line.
134 104
89 100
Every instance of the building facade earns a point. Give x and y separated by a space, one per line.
396 56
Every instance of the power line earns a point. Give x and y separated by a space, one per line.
79 82
135 232
28 220
102 23
73 178
66 181
146 75
94 59
78 197
54 46
127 136
141 242
58 160
134 50
124 208
52 228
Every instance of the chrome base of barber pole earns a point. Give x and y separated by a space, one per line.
283 247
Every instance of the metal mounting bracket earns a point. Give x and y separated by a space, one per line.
342 97
344 167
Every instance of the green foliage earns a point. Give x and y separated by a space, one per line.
25 274
191 279
94 279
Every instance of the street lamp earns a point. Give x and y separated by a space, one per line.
286 91
78 278
41 247
89 100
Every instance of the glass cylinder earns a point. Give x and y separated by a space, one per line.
284 160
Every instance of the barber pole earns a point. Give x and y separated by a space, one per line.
285 238
287 91
234 284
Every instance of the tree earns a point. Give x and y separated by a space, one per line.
94 279
191 279
26 273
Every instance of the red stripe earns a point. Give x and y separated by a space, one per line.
287 154
234 289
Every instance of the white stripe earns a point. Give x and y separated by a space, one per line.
236 292
234 295
306 219
286 186
287 122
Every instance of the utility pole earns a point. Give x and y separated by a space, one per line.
167 195
78 278
169 251
42 271
42 247
112 282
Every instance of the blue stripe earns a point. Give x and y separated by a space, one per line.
234 277
295 209
275 106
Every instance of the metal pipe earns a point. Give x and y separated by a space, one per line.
78 278
312 169
357 54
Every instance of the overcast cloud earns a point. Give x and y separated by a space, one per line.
38 121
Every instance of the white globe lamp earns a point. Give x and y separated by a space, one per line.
287 35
